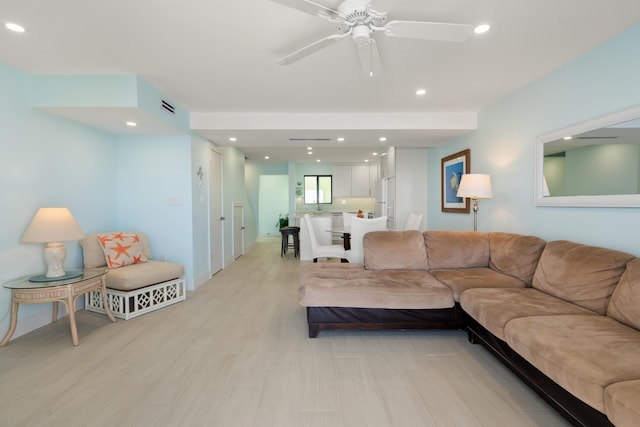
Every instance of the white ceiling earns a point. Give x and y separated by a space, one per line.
219 59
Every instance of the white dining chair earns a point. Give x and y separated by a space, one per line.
346 220
360 227
322 251
413 222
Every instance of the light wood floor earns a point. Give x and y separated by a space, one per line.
236 353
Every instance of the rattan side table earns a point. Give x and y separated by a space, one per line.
66 291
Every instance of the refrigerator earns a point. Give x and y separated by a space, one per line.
385 201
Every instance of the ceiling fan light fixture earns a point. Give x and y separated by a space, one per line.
361 34
482 28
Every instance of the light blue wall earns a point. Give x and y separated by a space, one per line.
155 194
600 82
200 209
46 161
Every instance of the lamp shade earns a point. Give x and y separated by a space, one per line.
475 186
52 225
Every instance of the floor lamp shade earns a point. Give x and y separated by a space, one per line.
53 226
475 186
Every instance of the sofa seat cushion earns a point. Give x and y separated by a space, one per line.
393 289
622 403
456 249
583 275
460 279
494 308
137 276
331 270
584 354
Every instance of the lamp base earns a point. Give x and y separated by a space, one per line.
54 255
42 278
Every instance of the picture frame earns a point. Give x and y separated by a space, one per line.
452 169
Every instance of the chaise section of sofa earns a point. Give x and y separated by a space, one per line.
393 290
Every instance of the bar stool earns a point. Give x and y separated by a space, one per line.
286 232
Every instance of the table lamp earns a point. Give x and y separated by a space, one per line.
53 226
475 186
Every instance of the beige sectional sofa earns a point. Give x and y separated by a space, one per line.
563 316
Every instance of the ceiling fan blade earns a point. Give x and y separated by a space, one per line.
428 30
313 8
312 48
370 58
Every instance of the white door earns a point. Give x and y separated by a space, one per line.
216 214
238 230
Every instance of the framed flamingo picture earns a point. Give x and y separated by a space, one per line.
453 167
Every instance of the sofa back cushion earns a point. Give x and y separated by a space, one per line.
515 254
93 255
456 249
583 275
394 250
625 301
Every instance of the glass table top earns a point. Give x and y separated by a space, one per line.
24 283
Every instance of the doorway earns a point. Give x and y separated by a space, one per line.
238 230
273 201
216 213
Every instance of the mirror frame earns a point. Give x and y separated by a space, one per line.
615 200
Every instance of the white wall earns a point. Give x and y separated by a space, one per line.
411 184
600 82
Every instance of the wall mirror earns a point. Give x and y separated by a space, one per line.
594 163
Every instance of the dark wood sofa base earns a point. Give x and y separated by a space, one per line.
346 318
573 409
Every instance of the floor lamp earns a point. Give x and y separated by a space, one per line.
475 186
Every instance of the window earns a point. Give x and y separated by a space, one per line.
317 189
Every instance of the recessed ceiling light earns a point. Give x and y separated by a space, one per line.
132 124
309 148
233 139
318 160
15 27
482 28
309 152
567 137
366 160
374 154
340 139
382 139
421 92
266 157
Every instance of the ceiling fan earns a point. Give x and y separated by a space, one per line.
359 19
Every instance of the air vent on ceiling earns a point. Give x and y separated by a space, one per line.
597 137
168 107
309 139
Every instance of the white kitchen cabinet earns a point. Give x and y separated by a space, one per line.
360 181
354 181
341 181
